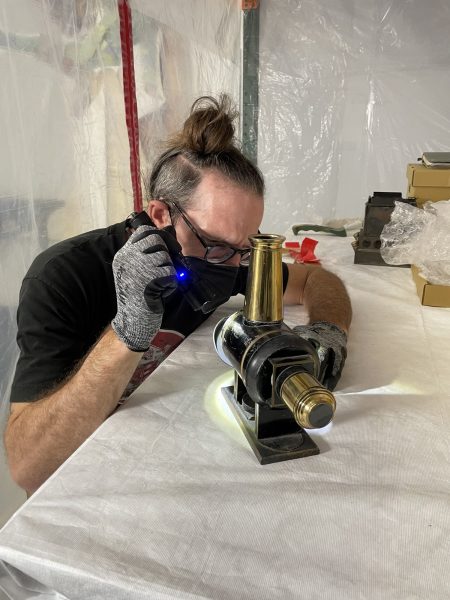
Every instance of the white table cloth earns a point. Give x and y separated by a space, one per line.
167 500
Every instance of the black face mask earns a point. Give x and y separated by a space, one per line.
205 285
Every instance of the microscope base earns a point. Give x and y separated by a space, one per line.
271 449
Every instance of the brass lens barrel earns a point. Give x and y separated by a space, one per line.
311 404
264 294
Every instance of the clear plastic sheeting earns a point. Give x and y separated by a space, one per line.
420 236
64 151
63 145
350 92
182 50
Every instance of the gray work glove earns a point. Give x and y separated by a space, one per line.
331 346
144 275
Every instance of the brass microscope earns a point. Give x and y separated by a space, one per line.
276 393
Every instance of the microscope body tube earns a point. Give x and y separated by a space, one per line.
264 294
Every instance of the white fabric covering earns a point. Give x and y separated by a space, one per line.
166 499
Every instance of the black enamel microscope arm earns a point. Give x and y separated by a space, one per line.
276 392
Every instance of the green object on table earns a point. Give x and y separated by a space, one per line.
340 231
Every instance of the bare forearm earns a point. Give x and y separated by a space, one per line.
322 293
45 433
326 298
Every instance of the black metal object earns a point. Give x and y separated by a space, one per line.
378 212
261 355
273 434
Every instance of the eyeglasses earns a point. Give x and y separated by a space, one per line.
215 253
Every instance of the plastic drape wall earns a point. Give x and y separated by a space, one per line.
63 141
350 92
64 152
183 49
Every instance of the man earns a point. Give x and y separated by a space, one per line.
99 312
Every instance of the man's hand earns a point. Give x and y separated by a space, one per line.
331 344
144 275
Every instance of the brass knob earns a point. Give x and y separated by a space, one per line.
311 404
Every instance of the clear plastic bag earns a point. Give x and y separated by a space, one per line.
420 236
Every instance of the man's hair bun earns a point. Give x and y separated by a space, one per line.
209 128
206 142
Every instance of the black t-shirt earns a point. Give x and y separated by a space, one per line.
66 301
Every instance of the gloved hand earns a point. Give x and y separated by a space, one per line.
331 345
144 275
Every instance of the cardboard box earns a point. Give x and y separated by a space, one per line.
427 183
429 293
421 176
425 194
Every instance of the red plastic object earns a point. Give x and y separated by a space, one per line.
303 253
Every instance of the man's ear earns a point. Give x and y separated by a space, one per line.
159 213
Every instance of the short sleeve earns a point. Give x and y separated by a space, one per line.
50 339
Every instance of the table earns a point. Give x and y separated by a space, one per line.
167 500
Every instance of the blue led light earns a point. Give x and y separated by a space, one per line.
181 275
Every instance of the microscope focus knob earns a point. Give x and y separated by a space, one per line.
311 404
